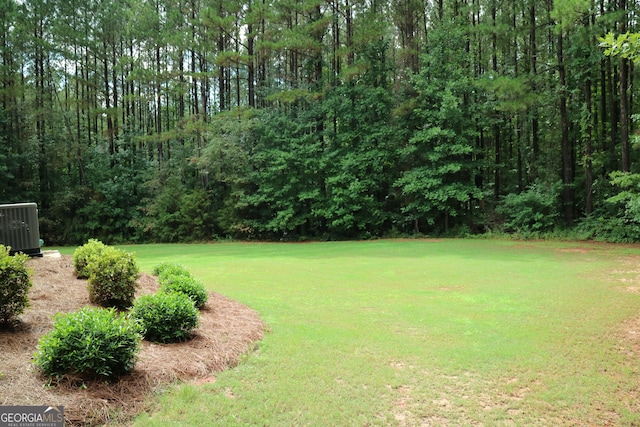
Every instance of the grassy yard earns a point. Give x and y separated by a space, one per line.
419 332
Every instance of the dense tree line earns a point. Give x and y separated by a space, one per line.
174 120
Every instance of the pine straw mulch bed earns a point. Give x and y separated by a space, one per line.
227 331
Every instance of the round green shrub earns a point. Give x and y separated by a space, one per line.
84 254
92 342
112 278
15 282
188 285
530 212
168 269
166 317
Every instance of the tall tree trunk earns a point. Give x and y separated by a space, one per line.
533 55
158 89
79 98
194 60
88 97
335 41
602 127
349 31
222 76
588 136
181 103
624 100
114 83
251 70
204 89
237 68
613 114
40 94
567 163
497 146
195 105
261 78
107 99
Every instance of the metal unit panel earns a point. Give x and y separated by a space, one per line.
19 228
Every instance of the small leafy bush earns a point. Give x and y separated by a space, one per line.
15 282
608 229
112 278
531 212
92 342
166 317
84 254
188 285
167 269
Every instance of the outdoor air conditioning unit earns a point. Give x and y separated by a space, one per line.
19 228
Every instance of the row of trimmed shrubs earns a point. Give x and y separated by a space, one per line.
172 313
104 342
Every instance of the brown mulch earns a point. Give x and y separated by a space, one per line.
227 331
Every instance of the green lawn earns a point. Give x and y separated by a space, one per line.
418 332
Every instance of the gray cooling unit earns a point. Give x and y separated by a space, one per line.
19 228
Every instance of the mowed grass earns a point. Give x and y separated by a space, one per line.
418 332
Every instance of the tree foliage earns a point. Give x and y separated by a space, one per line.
187 120
438 182
626 45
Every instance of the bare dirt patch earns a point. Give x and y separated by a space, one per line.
575 250
227 331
